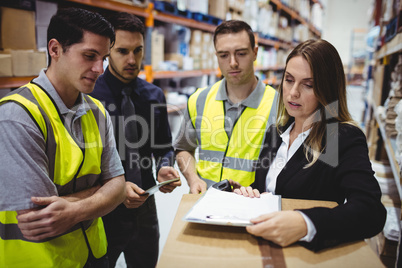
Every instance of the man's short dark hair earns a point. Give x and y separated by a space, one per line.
235 26
127 22
68 25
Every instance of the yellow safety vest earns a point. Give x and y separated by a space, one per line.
219 157
70 167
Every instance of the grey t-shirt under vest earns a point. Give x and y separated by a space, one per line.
187 137
24 163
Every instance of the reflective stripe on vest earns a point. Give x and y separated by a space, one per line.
219 157
72 169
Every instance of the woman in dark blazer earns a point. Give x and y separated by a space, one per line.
316 152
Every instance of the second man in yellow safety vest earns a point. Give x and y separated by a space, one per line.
226 122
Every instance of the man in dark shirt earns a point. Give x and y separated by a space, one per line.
132 227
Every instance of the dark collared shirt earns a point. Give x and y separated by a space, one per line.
155 138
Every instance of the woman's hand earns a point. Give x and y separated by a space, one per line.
282 227
247 191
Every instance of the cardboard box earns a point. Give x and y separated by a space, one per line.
27 62
188 63
196 63
237 5
177 39
17 29
196 37
203 245
206 37
157 45
218 8
5 65
175 57
385 249
378 75
236 15
195 50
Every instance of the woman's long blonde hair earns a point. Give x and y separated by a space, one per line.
329 85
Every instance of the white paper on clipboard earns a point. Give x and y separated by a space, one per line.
225 208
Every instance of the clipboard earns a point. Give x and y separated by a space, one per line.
156 187
229 209
221 220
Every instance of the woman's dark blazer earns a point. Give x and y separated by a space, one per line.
342 174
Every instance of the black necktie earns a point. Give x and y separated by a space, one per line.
132 161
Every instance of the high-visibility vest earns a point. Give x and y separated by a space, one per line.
222 158
70 166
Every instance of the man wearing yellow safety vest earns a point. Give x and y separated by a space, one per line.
226 122
60 169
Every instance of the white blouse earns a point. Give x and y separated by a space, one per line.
282 157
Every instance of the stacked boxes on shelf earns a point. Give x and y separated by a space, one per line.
284 31
235 9
267 21
384 123
270 24
25 31
186 49
208 52
271 58
316 16
394 98
157 46
273 25
18 43
391 13
250 14
301 33
396 88
385 243
6 67
301 6
196 49
218 8
177 40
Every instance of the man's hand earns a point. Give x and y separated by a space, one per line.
197 186
282 227
57 217
134 195
165 174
